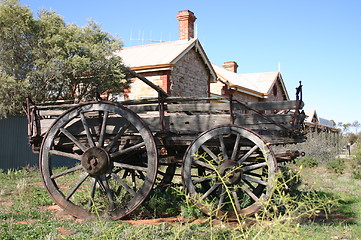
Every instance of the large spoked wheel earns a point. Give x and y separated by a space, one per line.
229 171
99 159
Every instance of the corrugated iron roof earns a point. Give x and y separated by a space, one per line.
326 122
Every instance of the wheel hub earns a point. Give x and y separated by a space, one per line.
231 172
95 161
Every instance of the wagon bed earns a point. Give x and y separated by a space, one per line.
118 151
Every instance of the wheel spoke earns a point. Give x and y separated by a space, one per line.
127 150
256 180
223 147
73 139
236 201
108 191
123 184
80 182
221 199
203 179
129 166
240 161
65 154
210 153
87 130
235 148
203 164
249 184
92 192
251 194
70 170
133 180
210 190
116 138
103 130
254 167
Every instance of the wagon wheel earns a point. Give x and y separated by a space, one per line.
229 171
99 159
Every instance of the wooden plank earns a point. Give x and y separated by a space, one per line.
53 112
187 123
277 105
144 108
250 119
199 107
57 106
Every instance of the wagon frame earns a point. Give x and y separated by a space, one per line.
119 151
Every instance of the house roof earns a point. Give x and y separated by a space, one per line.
313 120
310 115
326 122
161 56
257 84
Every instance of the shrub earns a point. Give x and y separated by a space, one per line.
356 172
307 162
356 164
317 146
337 165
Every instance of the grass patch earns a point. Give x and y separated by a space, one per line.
310 203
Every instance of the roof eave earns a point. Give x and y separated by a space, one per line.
152 68
249 91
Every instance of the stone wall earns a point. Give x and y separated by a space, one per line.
190 77
276 93
242 97
138 89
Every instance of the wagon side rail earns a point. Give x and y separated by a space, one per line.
281 122
34 130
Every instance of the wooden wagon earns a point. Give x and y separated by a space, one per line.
117 152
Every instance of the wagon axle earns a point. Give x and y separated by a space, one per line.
95 161
230 172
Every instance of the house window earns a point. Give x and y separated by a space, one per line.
275 90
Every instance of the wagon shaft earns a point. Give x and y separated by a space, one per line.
288 156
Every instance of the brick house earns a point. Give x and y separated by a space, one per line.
181 68
248 87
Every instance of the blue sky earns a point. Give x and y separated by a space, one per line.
317 42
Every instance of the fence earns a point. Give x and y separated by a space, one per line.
14 149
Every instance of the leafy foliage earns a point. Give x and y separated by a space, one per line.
307 162
337 165
50 60
356 165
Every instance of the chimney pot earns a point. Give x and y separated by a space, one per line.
231 66
186 21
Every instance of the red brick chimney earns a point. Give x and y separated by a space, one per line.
231 66
186 21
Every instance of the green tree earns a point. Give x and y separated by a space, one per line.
17 39
50 60
356 125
